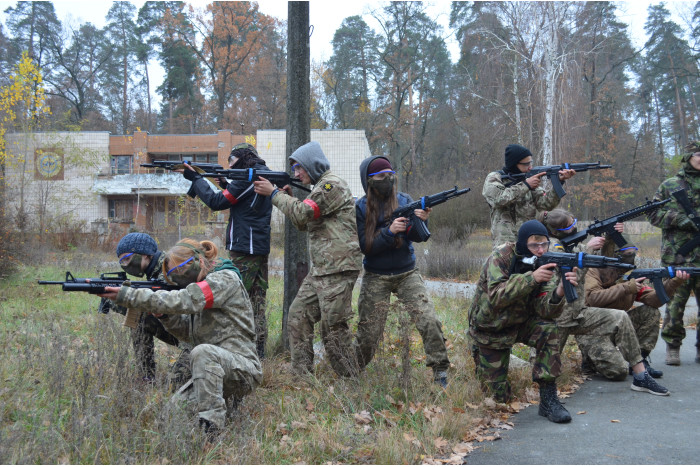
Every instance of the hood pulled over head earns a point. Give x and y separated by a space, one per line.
311 157
364 168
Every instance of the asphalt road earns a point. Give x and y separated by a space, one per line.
647 429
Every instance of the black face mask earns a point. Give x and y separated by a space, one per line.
384 187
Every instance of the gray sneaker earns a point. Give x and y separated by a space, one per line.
649 384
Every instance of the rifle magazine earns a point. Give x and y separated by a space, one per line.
132 318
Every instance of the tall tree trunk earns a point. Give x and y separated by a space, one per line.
696 116
679 106
296 253
516 97
148 97
662 156
125 122
551 72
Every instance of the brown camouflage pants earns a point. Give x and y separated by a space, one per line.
373 307
254 273
217 376
327 299
608 337
646 320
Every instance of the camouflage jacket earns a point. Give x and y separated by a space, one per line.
214 311
671 214
503 301
605 288
512 206
328 214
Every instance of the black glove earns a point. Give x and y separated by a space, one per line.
191 175
223 183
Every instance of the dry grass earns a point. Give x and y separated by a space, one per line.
70 391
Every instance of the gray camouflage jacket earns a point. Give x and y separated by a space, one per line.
512 206
328 214
214 311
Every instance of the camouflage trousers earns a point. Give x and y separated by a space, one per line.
673 330
217 376
142 337
607 336
492 363
254 273
373 307
327 299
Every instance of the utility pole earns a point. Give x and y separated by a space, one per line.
296 251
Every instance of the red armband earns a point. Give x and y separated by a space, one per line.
542 294
314 206
208 295
231 199
639 294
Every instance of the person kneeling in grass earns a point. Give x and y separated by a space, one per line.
212 312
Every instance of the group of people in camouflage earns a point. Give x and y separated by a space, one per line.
218 315
516 302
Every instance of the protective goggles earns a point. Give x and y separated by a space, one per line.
179 265
385 171
571 226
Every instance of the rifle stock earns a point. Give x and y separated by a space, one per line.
418 224
552 172
566 262
682 198
607 226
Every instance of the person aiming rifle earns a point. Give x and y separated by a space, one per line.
325 294
138 256
609 288
212 312
248 229
515 302
677 229
388 222
512 205
607 337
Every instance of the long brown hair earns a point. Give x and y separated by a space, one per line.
205 249
555 219
376 208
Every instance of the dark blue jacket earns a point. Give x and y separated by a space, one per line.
385 258
248 229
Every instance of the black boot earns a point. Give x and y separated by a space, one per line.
550 406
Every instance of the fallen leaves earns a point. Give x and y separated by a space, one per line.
363 418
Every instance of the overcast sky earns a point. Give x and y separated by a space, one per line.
327 15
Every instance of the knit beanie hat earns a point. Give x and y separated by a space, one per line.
514 154
527 230
137 242
378 165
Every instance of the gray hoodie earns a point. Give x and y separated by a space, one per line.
312 159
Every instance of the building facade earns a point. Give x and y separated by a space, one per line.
96 179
